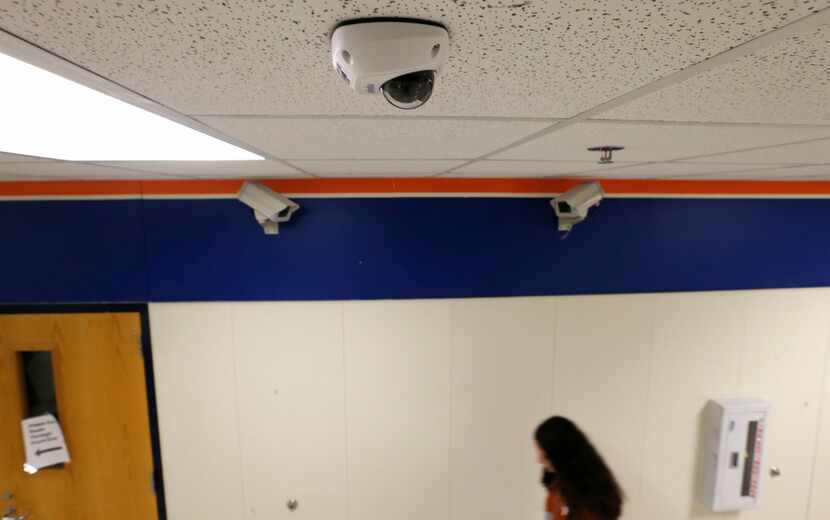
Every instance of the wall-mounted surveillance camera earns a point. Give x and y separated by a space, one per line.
572 206
397 57
270 208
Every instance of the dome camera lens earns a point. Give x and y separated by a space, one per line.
410 90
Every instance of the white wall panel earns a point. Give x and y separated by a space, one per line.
698 341
502 362
784 363
397 406
194 373
425 409
820 497
603 344
289 368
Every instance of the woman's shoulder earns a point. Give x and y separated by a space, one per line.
556 505
557 508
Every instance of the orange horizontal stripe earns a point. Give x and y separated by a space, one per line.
195 187
404 186
713 187
375 185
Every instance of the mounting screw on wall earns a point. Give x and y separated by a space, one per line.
606 152
292 504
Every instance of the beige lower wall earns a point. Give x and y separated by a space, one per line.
425 409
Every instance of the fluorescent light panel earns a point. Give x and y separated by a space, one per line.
46 115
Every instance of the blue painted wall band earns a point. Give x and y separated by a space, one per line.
334 249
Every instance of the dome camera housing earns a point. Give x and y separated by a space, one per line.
396 57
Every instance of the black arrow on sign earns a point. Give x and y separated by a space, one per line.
47 450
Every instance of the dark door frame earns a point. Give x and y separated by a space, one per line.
149 376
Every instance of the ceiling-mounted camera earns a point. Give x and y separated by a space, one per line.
397 57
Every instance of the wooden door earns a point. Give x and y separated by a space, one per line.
101 400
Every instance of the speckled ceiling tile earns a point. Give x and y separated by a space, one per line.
524 168
72 170
652 141
811 151
355 139
813 172
378 168
211 169
509 57
786 83
13 157
591 169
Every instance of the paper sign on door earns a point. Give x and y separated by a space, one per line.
43 439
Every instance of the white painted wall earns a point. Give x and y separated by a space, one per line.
425 409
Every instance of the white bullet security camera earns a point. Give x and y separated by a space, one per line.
398 57
572 206
270 208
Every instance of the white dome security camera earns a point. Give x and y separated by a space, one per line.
395 56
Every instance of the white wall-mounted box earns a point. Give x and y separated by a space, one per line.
734 434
